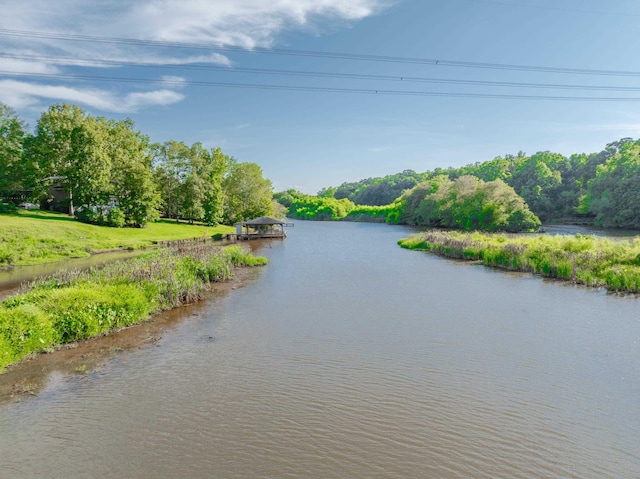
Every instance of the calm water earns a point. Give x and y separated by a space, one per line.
12 278
349 357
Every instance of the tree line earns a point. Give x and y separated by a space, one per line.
600 188
466 203
113 174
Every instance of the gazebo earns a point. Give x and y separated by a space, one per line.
263 227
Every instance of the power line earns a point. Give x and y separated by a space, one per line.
323 89
306 73
557 8
317 54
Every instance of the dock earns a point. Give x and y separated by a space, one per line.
264 227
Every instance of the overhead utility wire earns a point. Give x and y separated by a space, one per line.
351 76
323 89
312 53
557 8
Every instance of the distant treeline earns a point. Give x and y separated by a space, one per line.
106 172
466 203
598 188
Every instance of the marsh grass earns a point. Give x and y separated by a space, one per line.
78 304
596 262
34 237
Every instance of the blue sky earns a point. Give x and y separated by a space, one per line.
311 139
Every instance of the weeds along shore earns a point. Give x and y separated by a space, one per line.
79 304
587 260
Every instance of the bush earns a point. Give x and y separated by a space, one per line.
8 208
86 215
116 218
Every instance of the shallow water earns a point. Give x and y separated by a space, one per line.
348 356
12 277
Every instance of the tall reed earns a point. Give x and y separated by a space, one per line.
596 262
77 304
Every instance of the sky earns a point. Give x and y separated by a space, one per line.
319 92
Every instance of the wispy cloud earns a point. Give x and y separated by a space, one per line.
244 23
20 94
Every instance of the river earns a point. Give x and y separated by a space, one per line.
349 357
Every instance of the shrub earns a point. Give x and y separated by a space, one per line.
116 218
8 208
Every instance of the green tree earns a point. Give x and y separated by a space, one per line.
190 179
88 167
318 208
12 135
51 154
214 198
132 185
469 203
538 180
614 194
247 193
170 171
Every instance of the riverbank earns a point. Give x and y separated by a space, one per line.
35 237
76 305
78 360
587 260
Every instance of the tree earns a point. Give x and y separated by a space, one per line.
12 135
170 162
88 167
132 185
50 153
614 194
538 180
190 180
214 198
247 193
469 203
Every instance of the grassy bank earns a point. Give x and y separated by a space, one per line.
79 304
34 237
581 259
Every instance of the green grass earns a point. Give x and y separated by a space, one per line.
597 262
79 304
34 237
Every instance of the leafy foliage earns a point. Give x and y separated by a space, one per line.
376 191
469 203
306 207
12 135
247 193
99 163
614 193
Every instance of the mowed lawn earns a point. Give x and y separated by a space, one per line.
32 236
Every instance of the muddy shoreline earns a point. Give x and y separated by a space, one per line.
77 360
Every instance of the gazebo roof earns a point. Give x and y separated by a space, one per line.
263 220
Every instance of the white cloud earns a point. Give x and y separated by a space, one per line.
245 23
19 94
134 101
23 66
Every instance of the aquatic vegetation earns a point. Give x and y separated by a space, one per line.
614 264
79 304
